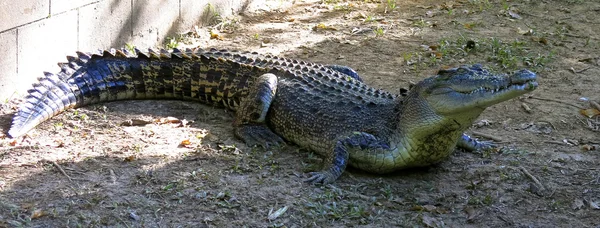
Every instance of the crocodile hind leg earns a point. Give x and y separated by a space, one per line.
471 144
357 143
250 116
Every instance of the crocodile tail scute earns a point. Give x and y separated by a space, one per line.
53 94
50 96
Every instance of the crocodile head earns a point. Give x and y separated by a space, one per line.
461 94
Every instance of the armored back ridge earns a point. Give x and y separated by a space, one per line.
325 108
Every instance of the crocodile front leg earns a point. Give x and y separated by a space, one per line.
357 143
250 117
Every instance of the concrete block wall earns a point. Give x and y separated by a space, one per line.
36 34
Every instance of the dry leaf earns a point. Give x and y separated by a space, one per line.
430 208
135 122
589 113
37 213
168 120
540 40
588 147
524 32
185 142
471 213
514 15
202 134
577 204
322 26
215 34
594 205
129 158
13 143
276 214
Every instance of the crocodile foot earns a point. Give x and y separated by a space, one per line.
258 135
470 144
323 177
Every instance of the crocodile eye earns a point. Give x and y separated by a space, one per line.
444 74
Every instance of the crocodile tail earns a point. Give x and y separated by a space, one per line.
121 75
49 96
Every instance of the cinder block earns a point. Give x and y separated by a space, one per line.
42 45
16 13
153 21
8 63
59 6
106 24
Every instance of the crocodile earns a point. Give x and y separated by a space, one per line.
326 109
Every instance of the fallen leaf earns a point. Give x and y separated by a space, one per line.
430 208
540 40
514 15
577 204
471 213
168 120
469 25
37 213
185 142
594 205
589 113
214 34
202 134
135 122
13 143
276 214
524 32
588 147
129 158
59 143
322 26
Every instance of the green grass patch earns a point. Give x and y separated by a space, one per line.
503 54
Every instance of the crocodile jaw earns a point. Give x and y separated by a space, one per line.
472 89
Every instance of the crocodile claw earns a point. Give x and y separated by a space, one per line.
320 178
473 145
258 135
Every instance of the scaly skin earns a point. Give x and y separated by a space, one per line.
327 109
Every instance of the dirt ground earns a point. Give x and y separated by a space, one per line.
85 168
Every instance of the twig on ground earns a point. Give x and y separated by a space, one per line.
557 101
533 178
113 177
487 136
526 107
595 105
61 170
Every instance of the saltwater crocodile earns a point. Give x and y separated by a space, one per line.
326 109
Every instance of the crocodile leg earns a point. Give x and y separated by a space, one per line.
357 143
345 70
250 117
471 144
